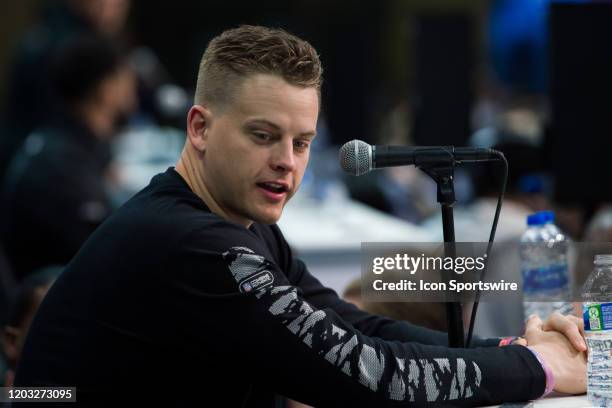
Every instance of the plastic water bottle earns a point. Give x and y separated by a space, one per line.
556 236
597 314
543 251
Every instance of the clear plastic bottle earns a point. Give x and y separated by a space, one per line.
562 244
543 251
597 314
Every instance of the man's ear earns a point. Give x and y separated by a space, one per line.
198 125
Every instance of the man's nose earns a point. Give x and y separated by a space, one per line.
283 157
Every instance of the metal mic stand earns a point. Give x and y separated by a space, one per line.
442 173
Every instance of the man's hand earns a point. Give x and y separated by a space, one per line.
568 365
570 326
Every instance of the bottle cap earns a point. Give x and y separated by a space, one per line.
550 216
541 218
538 218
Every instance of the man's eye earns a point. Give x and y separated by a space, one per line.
302 145
262 136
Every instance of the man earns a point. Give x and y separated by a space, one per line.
54 194
190 295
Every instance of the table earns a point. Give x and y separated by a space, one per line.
554 400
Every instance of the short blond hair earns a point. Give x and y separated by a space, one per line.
246 50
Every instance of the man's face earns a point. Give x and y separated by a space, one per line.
257 148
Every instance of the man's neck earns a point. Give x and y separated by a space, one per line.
188 167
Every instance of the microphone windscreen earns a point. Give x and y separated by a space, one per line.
356 157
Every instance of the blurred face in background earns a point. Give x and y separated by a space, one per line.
257 147
107 16
117 97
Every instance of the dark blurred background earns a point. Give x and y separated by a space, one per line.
434 58
529 77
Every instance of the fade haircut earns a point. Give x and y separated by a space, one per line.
240 52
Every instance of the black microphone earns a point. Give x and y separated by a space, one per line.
357 157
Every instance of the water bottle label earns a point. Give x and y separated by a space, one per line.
597 316
543 279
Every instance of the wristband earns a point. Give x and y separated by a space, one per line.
506 341
550 379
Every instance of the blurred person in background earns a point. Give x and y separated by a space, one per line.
426 314
54 192
29 94
29 296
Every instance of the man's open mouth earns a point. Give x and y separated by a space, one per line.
273 187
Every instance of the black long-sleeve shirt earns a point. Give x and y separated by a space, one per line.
53 196
167 301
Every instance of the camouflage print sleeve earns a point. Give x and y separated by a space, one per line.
312 355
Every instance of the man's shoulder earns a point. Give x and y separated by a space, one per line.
168 208
168 214
216 236
166 203
219 235
150 227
